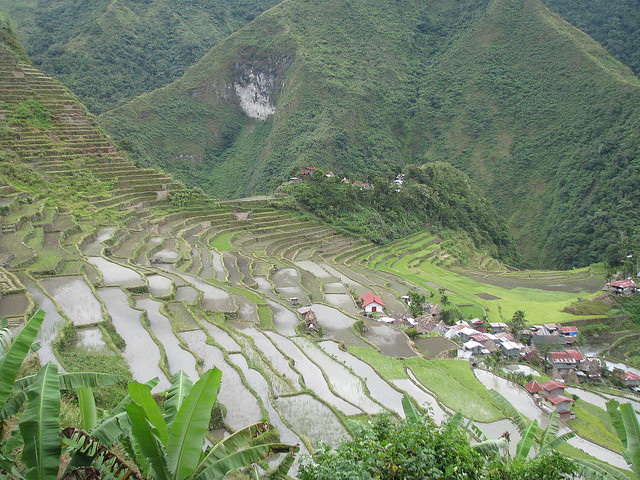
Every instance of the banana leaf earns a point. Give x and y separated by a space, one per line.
141 395
12 360
632 429
180 387
148 443
184 447
88 408
527 441
411 413
616 420
521 423
69 381
238 440
594 470
219 468
40 426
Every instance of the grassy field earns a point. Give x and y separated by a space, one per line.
389 368
594 424
455 385
499 302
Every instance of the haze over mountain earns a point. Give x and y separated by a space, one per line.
108 51
537 112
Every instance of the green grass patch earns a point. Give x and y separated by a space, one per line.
106 397
594 424
222 242
179 316
455 385
389 368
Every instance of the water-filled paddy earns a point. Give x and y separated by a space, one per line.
96 247
116 275
434 346
242 407
379 389
141 352
284 319
159 286
75 298
312 419
91 341
390 341
187 294
177 357
345 383
51 324
14 304
312 374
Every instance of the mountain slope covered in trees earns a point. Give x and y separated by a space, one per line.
534 110
108 51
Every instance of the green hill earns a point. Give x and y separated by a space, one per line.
108 51
534 110
613 23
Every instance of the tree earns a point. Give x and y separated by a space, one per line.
416 303
416 448
517 322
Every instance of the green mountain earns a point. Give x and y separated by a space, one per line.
108 51
534 110
613 23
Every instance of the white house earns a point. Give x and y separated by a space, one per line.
371 303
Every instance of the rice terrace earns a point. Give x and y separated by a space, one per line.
142 277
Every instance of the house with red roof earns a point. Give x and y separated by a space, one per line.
308 170
371 303
621 287
566 360
533 387
630 379
552 389
561 404
569 333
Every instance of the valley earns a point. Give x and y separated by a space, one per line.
143 277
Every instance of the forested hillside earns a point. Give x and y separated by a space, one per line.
534 110
107 51
613 23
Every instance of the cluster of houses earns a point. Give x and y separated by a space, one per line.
551 396
306 172
481 338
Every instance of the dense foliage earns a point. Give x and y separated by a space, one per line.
542 119
107 51
434 195
613 23
412 450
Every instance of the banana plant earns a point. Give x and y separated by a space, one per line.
533 437
171 446
37 436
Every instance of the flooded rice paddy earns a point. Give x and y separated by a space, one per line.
91 341
390 341
114 274
141 352
75 298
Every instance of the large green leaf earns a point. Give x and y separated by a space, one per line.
632 429
141 395
180 387
219 468
15 355
147 443
594 470
491 447
282 469
186 439
69 381
616 420
552 429
527 441
238 440
521 422
40 427
410 411
88 408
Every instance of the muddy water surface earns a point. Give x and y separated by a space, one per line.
116 275
141 353
75 298
390 341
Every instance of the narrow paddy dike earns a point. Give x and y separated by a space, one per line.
167 287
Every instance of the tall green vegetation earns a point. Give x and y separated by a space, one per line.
542 119
435 195
107 51
613 23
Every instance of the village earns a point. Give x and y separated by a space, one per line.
551 348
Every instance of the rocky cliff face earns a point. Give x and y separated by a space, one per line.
257 84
